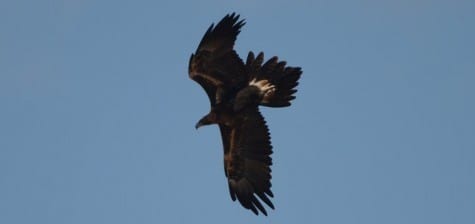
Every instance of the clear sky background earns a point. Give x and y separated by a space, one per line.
97 112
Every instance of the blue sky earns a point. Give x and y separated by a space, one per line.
97 112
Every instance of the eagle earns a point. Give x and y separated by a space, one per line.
236 90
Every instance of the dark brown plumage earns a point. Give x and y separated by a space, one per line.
235 91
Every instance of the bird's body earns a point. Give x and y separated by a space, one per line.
236 89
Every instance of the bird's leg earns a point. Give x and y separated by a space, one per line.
264 86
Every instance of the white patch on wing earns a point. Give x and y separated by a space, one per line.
264 85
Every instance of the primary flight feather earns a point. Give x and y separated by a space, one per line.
235 90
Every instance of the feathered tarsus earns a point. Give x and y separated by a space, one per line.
235 90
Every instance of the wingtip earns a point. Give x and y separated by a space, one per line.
233 15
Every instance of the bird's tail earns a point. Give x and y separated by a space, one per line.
284 79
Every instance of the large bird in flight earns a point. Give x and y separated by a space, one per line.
235 90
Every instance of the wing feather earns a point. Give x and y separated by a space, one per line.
215 65
247 150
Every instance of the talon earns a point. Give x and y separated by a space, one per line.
270 91
264 85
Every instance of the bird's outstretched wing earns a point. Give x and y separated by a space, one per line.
247 161
215 65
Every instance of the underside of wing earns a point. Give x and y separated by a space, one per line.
247 161
283 78
215 64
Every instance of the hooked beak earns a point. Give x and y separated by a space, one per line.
198 125
202 122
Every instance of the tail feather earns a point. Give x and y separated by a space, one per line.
285 79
